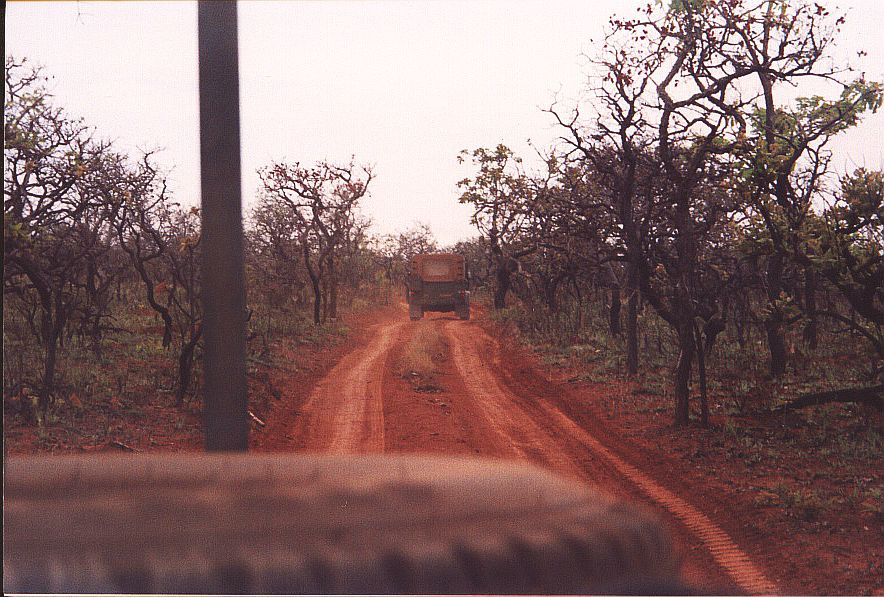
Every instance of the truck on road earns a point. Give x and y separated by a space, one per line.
437 282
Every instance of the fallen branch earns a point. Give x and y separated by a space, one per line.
870 395
123 446
257 420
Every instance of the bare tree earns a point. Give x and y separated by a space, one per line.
162 241
322 199
50 211
614 146
395 250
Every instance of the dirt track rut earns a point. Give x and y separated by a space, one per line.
345 414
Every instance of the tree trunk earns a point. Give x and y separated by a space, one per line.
168 323
324 300
51 347
776 345
504 281
614 312
633 253
315 274
701 370
95 335
870 395
632 308
683 309
773 324
810 332
94 315
686 346
317 301
632 332
333 291
550 286
185 363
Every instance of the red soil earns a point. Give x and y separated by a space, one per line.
490 396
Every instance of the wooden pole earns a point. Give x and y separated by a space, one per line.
223 289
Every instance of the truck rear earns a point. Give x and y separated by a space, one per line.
438 282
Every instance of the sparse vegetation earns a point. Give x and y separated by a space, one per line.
102 310
702 290
418 362
693 197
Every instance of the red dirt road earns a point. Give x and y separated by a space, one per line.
345 411
490 400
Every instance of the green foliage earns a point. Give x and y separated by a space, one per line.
681 6
862 203
497 192
838 115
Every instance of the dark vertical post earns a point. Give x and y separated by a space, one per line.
223 290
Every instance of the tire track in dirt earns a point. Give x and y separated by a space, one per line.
440 418
344 413
476 356
514 427
723 549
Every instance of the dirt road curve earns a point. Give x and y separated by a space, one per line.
483 406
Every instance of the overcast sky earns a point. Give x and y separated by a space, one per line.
403 86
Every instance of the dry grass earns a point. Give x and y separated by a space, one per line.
418 361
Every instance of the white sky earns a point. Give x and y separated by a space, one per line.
402 85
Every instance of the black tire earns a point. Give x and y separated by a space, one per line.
318 524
